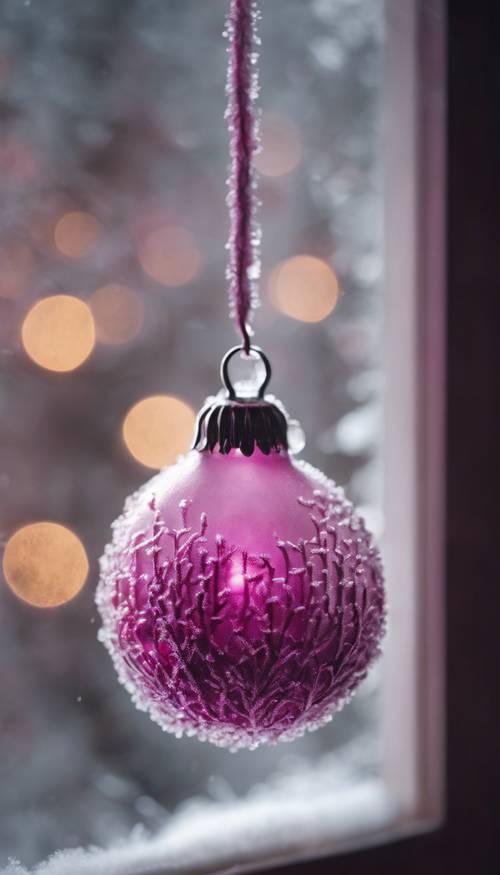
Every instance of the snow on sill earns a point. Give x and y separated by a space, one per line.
208 838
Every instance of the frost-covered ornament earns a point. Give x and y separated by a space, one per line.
242 598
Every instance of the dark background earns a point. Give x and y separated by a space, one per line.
468 841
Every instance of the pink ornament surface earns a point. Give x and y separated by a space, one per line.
242 598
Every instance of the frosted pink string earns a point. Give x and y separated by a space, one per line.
242 86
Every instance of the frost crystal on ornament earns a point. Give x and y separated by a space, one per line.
242 598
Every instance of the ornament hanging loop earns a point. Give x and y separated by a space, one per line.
253 352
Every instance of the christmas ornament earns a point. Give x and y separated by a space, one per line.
242 598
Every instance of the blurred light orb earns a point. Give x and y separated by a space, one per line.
304 288
76 234
281 146
45 564
169 255
118 313
58 332
16 268
158 429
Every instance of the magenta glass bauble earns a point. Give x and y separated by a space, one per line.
242 598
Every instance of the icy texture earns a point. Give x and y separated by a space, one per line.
221 628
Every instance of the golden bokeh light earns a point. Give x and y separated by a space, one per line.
281 147
158 429
169 255
58 332
304 288
16 268
76 234
45 564
118 313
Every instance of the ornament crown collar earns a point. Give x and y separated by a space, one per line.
230 421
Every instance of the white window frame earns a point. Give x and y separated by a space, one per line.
413 686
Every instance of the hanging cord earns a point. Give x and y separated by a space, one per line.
244 240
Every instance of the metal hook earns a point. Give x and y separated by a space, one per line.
224 370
